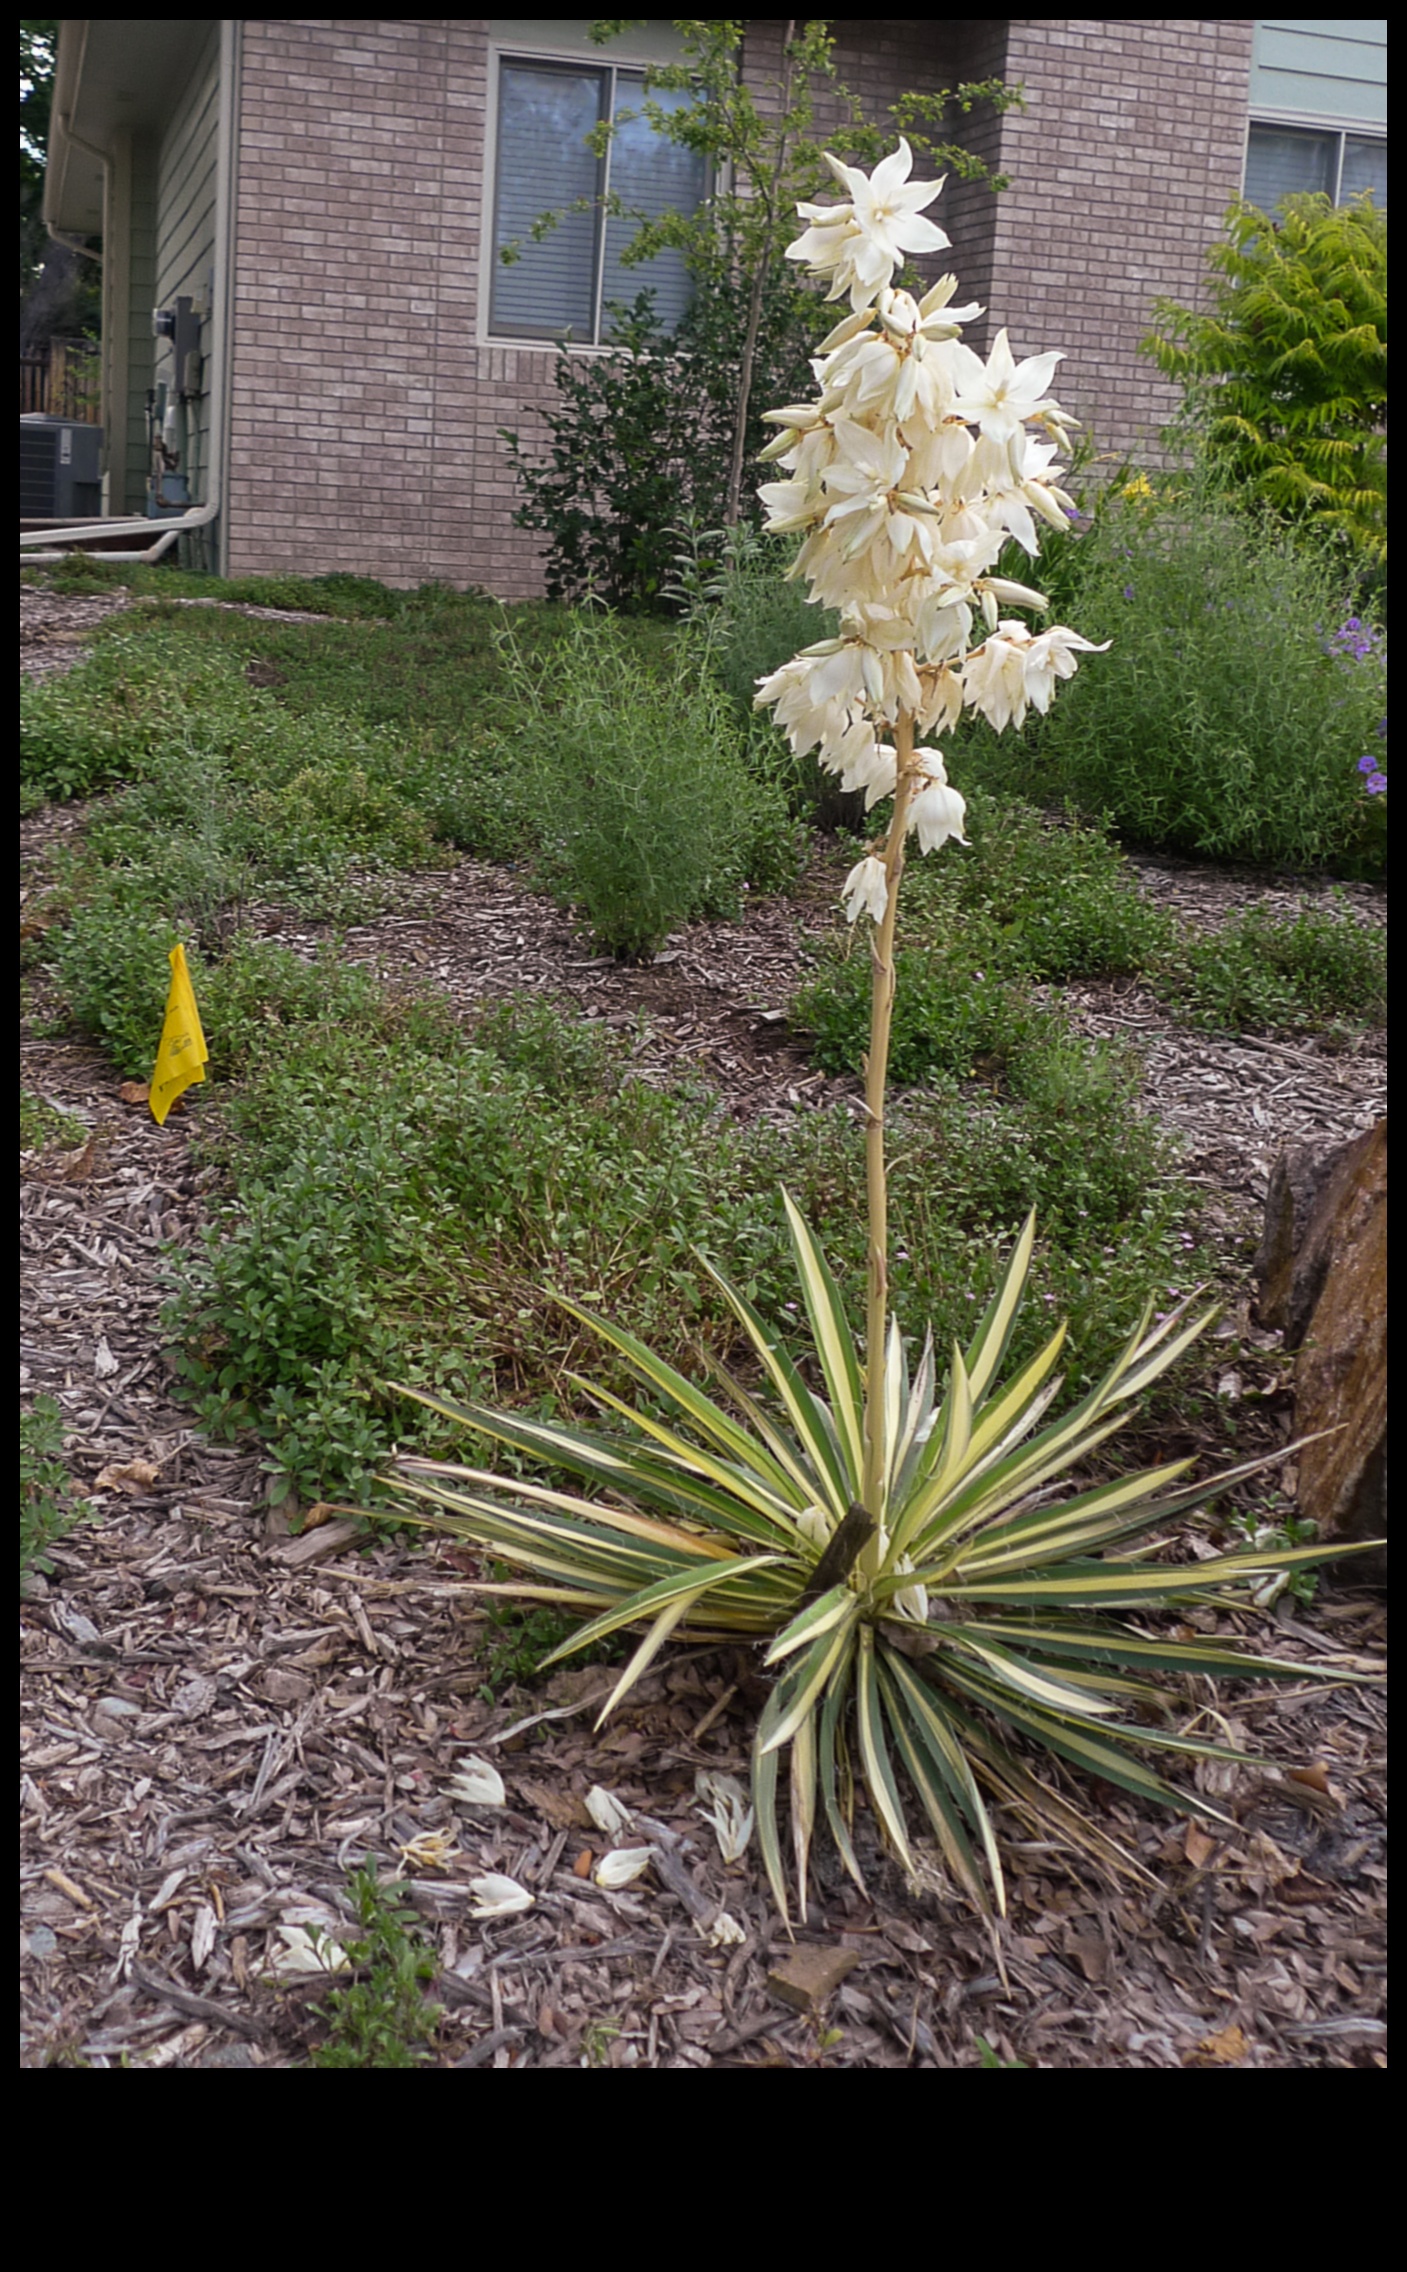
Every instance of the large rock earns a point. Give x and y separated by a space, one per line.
1322 1273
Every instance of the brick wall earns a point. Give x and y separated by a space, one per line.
365 415
1123 163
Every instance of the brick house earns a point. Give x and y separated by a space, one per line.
304 308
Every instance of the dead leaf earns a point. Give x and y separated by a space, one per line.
76 1167
1197 1847
135 1092
320 1512
809 1976
136 1475
581 1867
1223 2049
563 1809
1089 1953
1314 1778
104 1362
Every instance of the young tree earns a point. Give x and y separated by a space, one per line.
763 161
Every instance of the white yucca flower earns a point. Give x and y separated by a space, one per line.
622 1866
725 1805
305 1952
496 1896
478 1784
606 1811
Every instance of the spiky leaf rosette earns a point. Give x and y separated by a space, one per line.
992 1602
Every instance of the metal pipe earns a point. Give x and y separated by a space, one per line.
167 538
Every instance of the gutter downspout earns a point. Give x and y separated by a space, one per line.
199 516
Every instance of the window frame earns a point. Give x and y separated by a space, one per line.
1310 122
570 58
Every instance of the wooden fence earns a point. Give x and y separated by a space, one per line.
64 379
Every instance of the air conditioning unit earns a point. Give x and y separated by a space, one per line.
60 470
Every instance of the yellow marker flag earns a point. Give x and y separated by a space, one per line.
183 1056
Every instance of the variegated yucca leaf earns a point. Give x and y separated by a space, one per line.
983 1605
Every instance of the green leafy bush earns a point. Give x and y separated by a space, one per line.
1230 719
642 437
1286 374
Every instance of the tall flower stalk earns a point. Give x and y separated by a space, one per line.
931 1572
904 511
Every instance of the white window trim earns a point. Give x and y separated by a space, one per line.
520 51
1367 130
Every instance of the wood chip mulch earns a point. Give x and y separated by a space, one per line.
219 1722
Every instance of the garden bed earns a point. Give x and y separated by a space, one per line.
218 1719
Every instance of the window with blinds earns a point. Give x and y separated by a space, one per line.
1282 159
548 113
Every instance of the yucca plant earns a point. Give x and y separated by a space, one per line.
977 1611
932 1579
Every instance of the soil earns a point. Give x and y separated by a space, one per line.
219 1721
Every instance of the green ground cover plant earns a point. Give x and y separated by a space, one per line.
352 1222
1040 899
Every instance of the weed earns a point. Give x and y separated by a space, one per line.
384 2020
1265 1527
516 1641
43 1123
987 2057
47 1505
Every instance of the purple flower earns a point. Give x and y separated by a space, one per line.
1128 591
1367 765
1377 784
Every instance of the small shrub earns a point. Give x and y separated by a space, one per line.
1227 723
110 962
647 813
1286 374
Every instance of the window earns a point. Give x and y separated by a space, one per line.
546 113
1280 159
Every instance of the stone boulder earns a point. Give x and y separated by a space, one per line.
1322 1278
